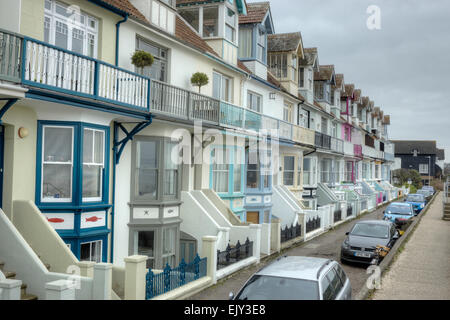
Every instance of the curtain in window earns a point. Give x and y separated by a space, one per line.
245 43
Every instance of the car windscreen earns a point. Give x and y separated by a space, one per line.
393 209
415 198
370 230
261 287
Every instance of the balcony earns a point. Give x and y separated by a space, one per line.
44 66
337 145
322 140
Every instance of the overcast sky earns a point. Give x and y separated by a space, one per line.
404 67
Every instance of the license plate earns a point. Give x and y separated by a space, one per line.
362 254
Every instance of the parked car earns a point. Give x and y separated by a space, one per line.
360 244
297 278
417 200
399 213
426 193
429 188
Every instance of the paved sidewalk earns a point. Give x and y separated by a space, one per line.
422 270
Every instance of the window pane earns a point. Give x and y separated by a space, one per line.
92 181
245 42
147 154
88 140
147 183
57 181
47 29
169 241
78 40
61 35
237 170
289 163
145 246
97 251
85 252
229 33
230 17
220 170
211 22
57 144
217 79
99 148
191 16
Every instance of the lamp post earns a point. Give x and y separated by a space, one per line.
429 170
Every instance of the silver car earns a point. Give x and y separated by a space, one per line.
297 278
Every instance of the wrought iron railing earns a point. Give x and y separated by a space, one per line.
170 279
292 232
349 209
234 254
313 224
322 140
337 215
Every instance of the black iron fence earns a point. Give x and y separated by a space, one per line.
291 232
313 224
349 210
234 254
337 215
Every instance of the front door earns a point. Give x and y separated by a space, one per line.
2 133
253 217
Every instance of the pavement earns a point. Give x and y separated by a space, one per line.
422 269
327 245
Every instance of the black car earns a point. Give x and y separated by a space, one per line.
361 242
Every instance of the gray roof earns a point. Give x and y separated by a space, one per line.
309 58
408 146
284 42
294 267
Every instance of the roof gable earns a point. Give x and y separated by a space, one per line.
408 146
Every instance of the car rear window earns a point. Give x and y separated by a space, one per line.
370 230
415 198
396 209
261 287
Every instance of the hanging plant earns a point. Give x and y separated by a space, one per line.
142 59
199 79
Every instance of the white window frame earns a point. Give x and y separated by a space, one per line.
230 90
251 96
100 242
71 24
64 200
287 112
232 27
102 165
423 168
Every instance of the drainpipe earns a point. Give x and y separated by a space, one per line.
117 37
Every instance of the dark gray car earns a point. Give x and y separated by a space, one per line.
297 278
363 238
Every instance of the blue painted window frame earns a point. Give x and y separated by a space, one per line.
231 192
261 188
77 170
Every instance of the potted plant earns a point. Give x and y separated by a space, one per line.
199 79
142 59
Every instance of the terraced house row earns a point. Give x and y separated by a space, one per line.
275 146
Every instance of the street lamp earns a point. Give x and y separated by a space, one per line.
429 170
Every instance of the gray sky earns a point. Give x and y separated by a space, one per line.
404 67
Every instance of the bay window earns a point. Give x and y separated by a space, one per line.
245 43
230 25
146 246
192 16
156 175
301 78
261 45
294 67
210 26
70 29
168 247
278 65
227 169
93 164
72 163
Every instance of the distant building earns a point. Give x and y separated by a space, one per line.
422 156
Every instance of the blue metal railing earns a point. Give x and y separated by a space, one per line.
171 279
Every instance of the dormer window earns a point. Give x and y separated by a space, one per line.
192 16
415 151
210 22
230 25
301 77
261 45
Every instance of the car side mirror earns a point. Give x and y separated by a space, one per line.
231 296
347 233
